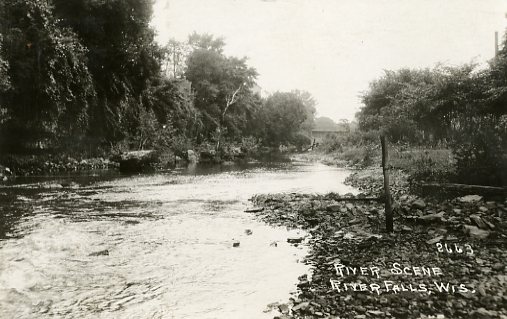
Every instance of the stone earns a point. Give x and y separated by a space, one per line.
191 157
475 232
235 244
418 204
349 206
498 266
137 161
284 309
302 306
361 309
334 207
431 218
104 252
470 198
295 240
248 232
478 221
355 221
482 313
434 240
375 312
406 229
254 210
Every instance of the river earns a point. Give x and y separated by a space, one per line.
151 246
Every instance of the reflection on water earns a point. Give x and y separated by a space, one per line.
150 246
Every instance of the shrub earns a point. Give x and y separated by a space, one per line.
479 149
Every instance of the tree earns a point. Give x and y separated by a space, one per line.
222 86
175 55
122 57
51 84
285 115
5 83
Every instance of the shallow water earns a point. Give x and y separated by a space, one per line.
151 246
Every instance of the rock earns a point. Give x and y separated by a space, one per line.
478 221
284 309
355 221
498 266
361 309
434 240
248 232
295 240
482 313
104 252
137 161
475 232
191 157
375 312
235 244
302 306
470 198
254 210
334 207
418 204
274 244
490 225
406 229
349 206
431 218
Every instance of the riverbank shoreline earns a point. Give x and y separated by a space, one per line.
348 231
12 165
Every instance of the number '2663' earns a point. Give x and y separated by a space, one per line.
455 248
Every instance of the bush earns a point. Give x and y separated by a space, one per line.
301 141
250 144
479 149
429 167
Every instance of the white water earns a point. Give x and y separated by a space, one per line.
169 239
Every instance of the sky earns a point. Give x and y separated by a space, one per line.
335 48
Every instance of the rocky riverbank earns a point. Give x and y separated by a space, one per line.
12 166
465 238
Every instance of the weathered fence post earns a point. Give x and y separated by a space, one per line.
387 193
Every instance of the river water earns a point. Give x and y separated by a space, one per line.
151 246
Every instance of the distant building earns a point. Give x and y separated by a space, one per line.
325 126
318 135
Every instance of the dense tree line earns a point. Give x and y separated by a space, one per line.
463 108
81 75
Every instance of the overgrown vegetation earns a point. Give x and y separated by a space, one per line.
461 111
87 77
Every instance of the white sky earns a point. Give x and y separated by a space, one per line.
334 48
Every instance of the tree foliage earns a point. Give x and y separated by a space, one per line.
288 118
51 84
462 107
222 86
88 73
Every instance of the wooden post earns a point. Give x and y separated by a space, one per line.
387 193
